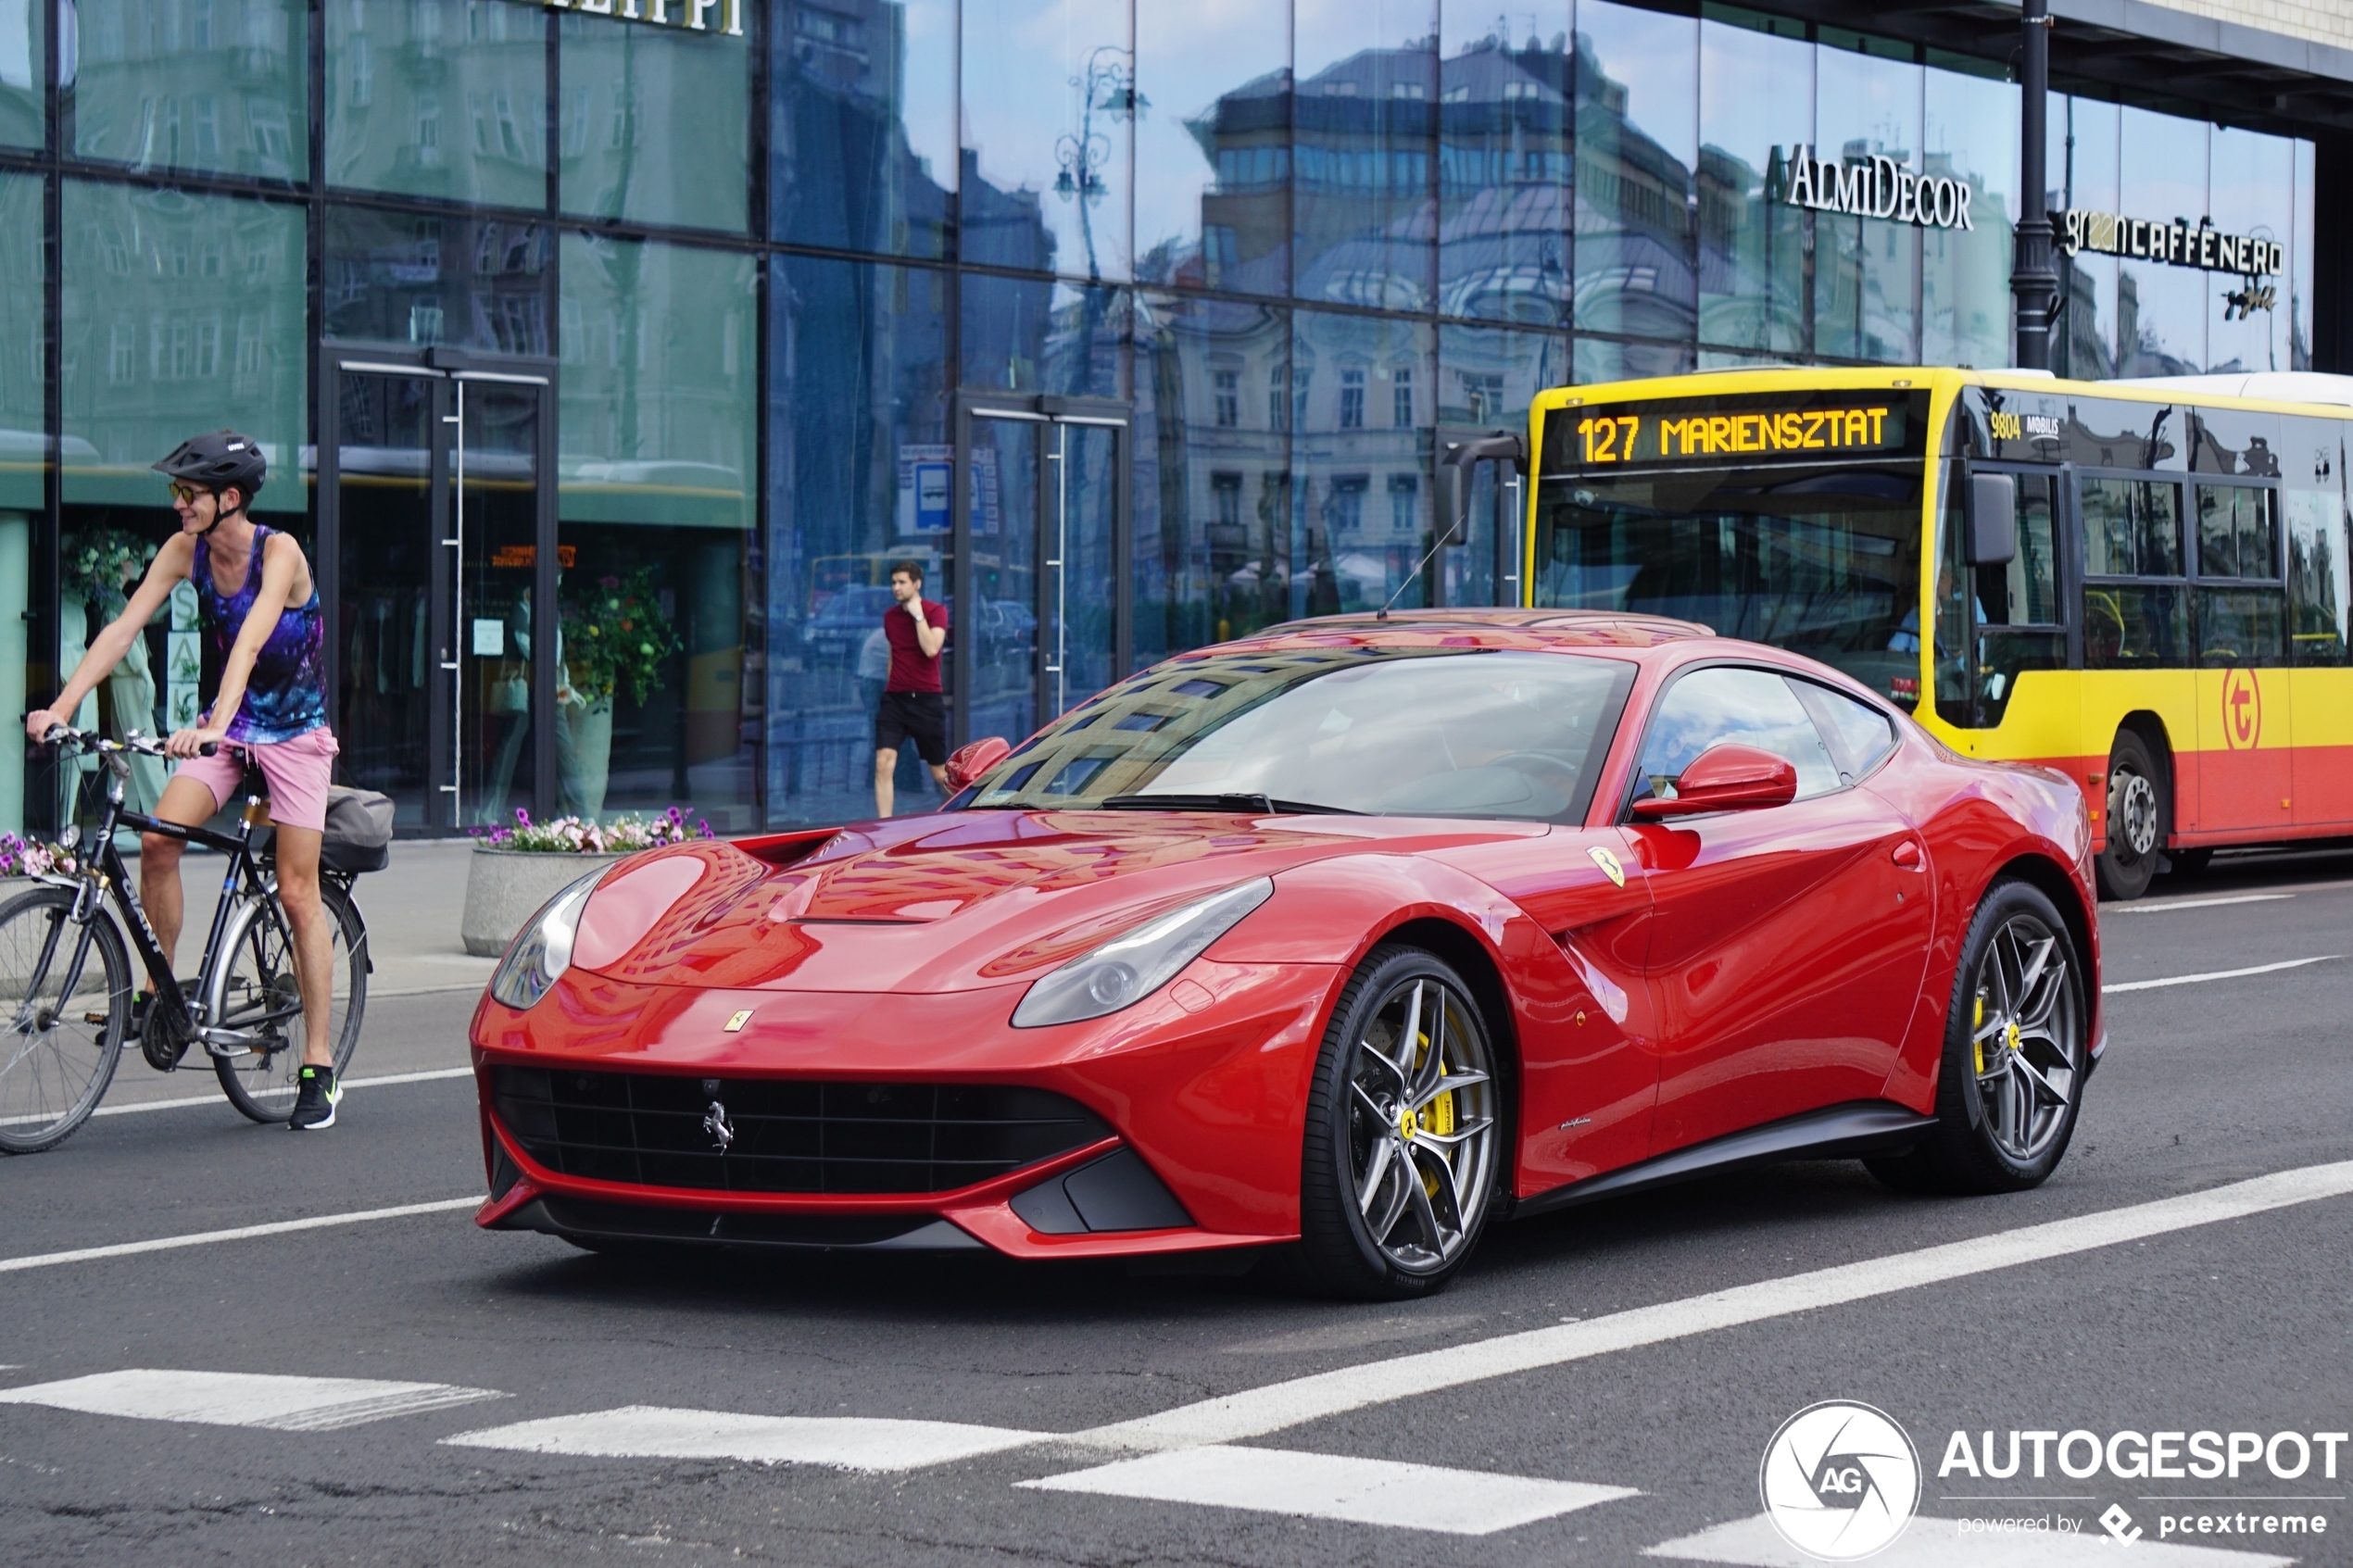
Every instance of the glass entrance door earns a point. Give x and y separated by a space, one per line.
432 523
1039 535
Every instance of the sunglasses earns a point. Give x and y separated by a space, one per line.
184 490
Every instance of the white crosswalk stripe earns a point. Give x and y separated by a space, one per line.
1360 1491
1938 1543
841 1442
239 1399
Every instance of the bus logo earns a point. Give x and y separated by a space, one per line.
2241 709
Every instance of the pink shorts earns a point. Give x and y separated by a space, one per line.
297 772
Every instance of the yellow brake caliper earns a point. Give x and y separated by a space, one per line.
1976 1043
1438 1116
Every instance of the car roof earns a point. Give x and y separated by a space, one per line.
1555 628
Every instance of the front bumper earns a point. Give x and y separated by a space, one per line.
1202 1099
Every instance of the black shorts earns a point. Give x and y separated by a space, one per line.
921 717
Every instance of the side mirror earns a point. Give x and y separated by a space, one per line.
1729 777
1993 519
967 765
1451 489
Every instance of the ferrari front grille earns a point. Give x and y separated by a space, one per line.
768 1135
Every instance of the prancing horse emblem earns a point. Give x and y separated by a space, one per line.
714 1121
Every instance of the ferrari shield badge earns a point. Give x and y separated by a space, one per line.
1609 863
737 1021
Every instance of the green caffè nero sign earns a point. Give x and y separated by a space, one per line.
695 16
2176 244
1872 187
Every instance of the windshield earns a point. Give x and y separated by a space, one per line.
1821 560
1431 733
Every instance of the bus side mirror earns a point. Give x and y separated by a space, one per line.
1993 519
1455 459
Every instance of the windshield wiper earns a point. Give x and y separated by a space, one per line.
1263 804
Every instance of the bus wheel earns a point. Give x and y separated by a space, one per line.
2139 807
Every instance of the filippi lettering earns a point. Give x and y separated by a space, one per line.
1873 187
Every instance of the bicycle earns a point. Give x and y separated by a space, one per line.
67 1025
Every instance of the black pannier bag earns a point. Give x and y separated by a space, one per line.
358 834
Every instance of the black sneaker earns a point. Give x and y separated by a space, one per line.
315 1103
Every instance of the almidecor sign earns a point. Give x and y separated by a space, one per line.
695 16
2177 244
1872 187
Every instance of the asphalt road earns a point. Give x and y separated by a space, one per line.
1632 1433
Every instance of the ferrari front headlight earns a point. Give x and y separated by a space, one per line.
1128 968
542 949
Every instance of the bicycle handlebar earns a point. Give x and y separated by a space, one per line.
90 740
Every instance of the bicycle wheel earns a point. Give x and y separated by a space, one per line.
251 989
59 1040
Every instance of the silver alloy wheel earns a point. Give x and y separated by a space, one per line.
2026 1037
1421 1124
2132 812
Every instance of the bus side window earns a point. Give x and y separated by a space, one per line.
2320 594
2133 529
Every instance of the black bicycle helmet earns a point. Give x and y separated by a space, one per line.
217 462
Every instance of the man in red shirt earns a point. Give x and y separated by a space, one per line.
912 707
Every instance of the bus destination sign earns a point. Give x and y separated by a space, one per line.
1675 432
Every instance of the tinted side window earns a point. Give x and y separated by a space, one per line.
1750 706
1858 733
2132 528
2319 590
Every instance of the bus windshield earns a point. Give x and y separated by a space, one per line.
1821 558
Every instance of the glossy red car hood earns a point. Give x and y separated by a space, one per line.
948 902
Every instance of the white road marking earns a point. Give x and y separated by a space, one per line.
1254 1412
1359 1491
381 1081
841 1442
238 1399
2217 975
2171 904
1938 1543
240 1233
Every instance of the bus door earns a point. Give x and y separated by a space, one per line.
2245 727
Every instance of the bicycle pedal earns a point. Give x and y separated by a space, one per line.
98 1018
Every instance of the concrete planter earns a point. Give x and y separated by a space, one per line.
503 887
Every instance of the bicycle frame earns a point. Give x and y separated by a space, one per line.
105 874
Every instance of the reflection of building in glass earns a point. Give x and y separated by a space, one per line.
1287 258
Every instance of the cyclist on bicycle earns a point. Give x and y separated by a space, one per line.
260 608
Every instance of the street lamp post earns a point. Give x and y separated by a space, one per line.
2032 283
1107 87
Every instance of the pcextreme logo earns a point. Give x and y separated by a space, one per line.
1840 1480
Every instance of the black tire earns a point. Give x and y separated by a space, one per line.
251 989
1433 1185
1982 1143
54 1062
2138 815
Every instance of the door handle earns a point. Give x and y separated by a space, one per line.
1907 855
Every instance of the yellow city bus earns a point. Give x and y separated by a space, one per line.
2142 586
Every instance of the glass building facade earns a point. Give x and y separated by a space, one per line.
606 364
